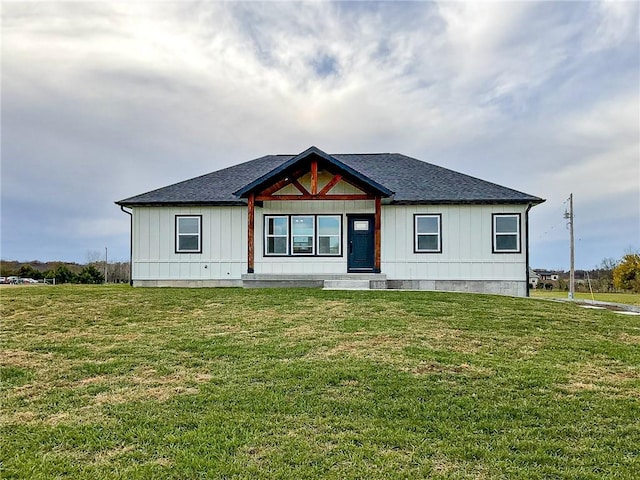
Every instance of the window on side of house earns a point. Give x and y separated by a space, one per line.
302 234
276 235
427 233
329 234
506 233
188 233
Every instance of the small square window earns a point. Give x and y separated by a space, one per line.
361 225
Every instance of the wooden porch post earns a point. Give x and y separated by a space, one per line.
314 177
250 233
377 235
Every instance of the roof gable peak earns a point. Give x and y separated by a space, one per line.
298 161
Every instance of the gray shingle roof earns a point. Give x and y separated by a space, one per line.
412 180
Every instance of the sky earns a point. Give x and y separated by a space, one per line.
105 100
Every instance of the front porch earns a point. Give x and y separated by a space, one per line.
291 230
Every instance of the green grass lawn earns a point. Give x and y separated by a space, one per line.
114 382
626 298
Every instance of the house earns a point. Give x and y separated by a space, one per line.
547 275
313 219
534 278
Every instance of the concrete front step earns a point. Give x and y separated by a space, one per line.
314 276
348 281
347 285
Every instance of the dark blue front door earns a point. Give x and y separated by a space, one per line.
361 243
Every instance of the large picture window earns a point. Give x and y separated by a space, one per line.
188 233
319 235
427 233
506 233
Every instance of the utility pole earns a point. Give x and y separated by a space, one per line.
105 264
569 216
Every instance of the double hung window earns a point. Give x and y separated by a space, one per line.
302 235
329 234
427 234
277 235
188 233
506 233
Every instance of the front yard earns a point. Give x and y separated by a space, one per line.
115 382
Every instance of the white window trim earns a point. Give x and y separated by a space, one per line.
338 235
416 234
313 236
178 234
518 248
267 235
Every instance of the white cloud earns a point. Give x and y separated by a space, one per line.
617 23
539 96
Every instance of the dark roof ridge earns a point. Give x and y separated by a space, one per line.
341 154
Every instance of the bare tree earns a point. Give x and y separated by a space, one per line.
94 256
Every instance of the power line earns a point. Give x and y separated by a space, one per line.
551 227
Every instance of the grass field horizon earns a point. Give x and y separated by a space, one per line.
117 382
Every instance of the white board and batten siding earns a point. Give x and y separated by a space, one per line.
467 236
224 246
467 248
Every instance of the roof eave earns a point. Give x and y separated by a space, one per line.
489 201
191 203
391 201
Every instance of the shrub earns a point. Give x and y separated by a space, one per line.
90 275
626 275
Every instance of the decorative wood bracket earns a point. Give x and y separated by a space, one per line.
293 179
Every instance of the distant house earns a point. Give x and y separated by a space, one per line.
547 275
534 278
375 220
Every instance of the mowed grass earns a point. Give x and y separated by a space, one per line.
624 298
115 382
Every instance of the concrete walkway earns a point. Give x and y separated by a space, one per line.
596 304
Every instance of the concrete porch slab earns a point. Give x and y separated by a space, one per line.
346 281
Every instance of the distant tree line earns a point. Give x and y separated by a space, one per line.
616 275
67 272
610 276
